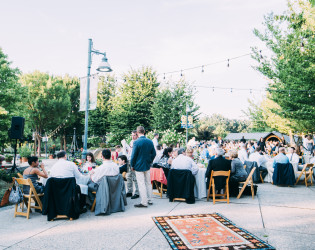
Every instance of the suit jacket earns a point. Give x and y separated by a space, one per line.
218 164
143 154
111 195
180 184
61 198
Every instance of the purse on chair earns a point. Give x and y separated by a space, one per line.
16 195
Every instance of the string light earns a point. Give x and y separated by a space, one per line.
228 64
289 93
181 73
202 69
261 57
164 76
309 94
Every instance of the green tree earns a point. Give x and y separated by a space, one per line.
47 102
170 104
131 106
99 118
290 68
10 96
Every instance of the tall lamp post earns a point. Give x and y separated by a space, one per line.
103 67
188 110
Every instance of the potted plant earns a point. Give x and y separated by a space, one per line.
8 159
25 152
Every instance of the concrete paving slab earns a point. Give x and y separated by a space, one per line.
289 219
290 241
281 216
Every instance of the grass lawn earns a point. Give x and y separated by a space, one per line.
3 187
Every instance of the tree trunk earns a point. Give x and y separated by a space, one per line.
61 146
35 153
39 146
64 143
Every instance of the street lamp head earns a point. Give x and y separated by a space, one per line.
104 65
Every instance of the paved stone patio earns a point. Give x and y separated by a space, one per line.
282 216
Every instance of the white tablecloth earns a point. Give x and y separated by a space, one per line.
82 182
200 186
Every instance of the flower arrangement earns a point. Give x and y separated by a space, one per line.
172 136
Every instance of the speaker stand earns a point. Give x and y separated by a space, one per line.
14 163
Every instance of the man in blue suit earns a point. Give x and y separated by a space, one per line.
142 156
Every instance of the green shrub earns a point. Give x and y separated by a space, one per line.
25 151
7 177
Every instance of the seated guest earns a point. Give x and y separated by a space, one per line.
63 168
108 168
281 157
159 154
190 152
238 174
293 157
122 161
166 159
89 162
33 172
242 154
184 162
218 164
258 157
67 169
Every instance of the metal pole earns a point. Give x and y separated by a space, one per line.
87 99
46 147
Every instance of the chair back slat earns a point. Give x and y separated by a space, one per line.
221 173
19 175
21 181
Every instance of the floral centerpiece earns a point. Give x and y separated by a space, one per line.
79 163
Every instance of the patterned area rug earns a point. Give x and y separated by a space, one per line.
206 231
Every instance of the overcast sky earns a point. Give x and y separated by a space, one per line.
52 36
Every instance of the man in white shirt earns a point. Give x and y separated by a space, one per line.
184 162
293 157
242 154
261 161
63 168
108 168
258 157
155 141
159 153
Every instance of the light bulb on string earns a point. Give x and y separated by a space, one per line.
289 93
250 91
181 73
164 76
231 90
213 89
309 94
228 64
202 69
261 57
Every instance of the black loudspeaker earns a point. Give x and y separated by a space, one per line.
17 127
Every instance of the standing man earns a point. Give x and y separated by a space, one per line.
143 154
131 175
155 140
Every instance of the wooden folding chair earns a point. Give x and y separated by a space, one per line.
159 187
27 198
249 180
226 194
94 202
262 180
307 171
20 175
